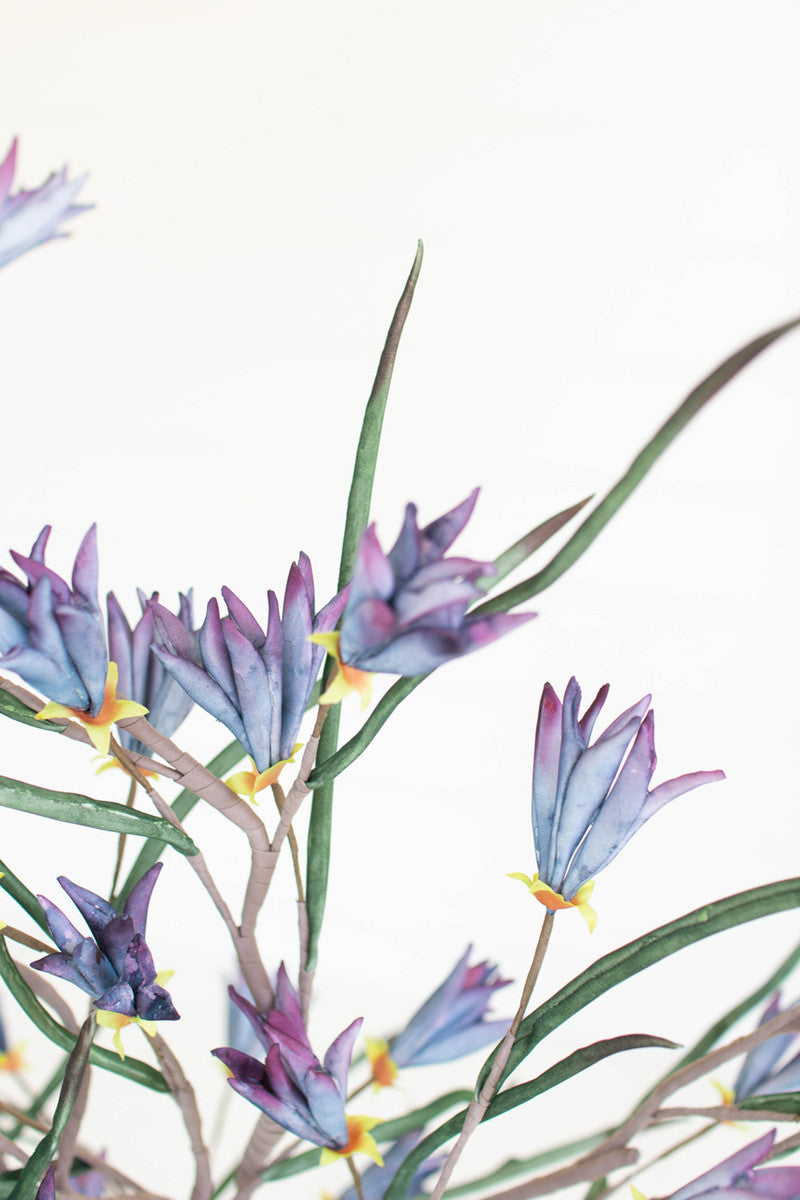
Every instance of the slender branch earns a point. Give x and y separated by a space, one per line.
479 1103
196 861
582 1171
722 1112
122 839
25 939
184 1097
9 1147
265 1136
651 1162
356 1177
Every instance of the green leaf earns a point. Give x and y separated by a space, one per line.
23 896
521 1166
183 804
358 505
513 1097
95 814
31 1175
636 956
130 1068
10 706
608 506
784 1102
387 1131
515 555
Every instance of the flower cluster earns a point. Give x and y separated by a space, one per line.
256 683
589 800
29 218
114 966
738 1175
291 1085
407 610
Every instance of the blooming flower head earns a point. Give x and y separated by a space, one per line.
761 1074
407 610
589 800
450 1024
114 966
29 218
141 675
291 1085
738 1174
256 683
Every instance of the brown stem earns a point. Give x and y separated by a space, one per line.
479 1103
184 1097
121 841
651 1162
721 1112
356 1177
265 1136
583 1171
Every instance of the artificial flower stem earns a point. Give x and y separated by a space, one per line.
184 1097
263 1140
25 939
479 1104
280 802
640 1167
121 840
356 1177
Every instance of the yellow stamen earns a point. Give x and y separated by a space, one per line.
114 708
12 1060
360 1141
347 679
553 900
247 783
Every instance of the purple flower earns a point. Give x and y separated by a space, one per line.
589 800
407 610
737 1174
291 1085
760 1074
450 1024
51 634
141 675
114 966
257 684
29 218
376 1180
47 1188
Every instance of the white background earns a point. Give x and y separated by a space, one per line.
608 194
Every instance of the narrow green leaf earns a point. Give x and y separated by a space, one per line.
31 1174
636 956
130 1068
8 1181
333 764
608 506
94 814
11 707
358 505
513 1097
23 896
183 804
515 555
785 1102
522 1166
387 1131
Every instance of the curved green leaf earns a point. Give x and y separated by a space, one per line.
130 1068
358 505
636 956
608 506
527 545
31 1175
183 804
23 896
331 765
513 1097
11 707
95 814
